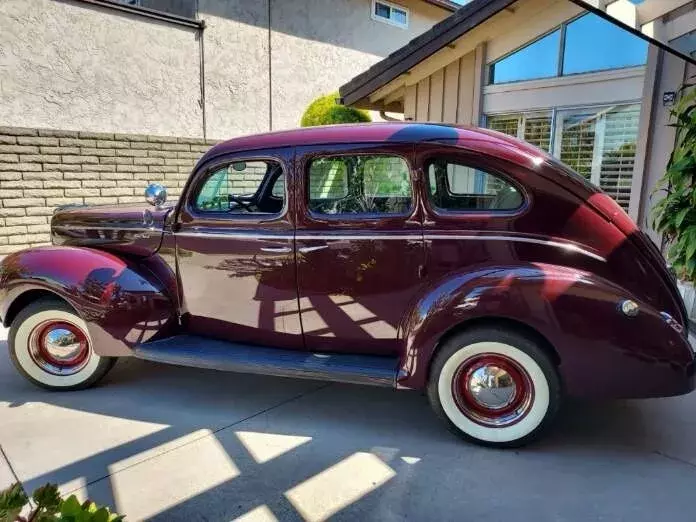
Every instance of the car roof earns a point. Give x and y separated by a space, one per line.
472 138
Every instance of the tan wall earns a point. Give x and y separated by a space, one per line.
448 95
41 169
578 90
74 66
236 67
319 45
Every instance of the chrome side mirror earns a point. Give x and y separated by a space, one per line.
155 194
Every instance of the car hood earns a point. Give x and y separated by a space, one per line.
130 228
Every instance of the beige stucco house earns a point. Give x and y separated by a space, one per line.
100 97
590 81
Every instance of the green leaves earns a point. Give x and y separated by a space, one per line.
12 500
675 215
325 111
50 507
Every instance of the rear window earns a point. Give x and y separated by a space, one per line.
359 184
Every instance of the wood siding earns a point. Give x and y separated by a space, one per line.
448 95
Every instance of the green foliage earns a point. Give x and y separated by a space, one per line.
50 507
675 215
12 500
325 111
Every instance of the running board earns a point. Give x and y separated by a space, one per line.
201 352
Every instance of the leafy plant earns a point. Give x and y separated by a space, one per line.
325 111
675 215
49 507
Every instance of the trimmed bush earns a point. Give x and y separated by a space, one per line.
325 111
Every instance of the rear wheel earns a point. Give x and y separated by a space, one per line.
50 345
494 387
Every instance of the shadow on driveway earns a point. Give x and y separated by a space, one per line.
171 443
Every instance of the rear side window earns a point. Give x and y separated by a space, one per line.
454 186
359 184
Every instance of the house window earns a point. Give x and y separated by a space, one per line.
537 60
532 127
586 43
599 142
577 46
390 13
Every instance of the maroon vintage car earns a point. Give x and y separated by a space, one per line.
415 256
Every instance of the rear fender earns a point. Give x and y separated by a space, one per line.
123 303
601 351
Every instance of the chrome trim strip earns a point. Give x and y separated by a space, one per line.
546 242
379 237
277 250
305 250
89 227
231 234
351 237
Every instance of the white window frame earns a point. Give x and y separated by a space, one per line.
389 20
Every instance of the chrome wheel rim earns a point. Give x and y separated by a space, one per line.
59 347
493 390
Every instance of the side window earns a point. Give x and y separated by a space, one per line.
359 184
242 188
455 187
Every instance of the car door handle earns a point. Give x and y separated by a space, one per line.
276 250
305 250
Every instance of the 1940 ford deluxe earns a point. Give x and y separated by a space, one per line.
415 256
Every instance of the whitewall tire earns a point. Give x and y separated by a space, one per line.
494 387
50 346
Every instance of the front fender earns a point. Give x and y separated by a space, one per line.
602 352
122 302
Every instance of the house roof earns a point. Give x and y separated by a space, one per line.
444 33
438 36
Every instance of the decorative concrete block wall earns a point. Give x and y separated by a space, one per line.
41 169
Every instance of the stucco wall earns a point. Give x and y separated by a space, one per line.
236 67
319 45
70 65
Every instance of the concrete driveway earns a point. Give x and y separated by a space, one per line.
167 443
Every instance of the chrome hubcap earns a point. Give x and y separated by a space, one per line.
59 347
492 387
493 390
62 344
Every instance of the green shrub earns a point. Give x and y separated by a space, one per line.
675 215
50 507
325 111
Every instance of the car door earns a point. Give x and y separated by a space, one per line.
235 251
359 245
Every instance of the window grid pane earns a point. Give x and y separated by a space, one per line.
507 123
599 143
537 131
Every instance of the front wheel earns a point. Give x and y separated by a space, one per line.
50 346
494 387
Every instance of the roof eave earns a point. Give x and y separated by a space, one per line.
420 48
